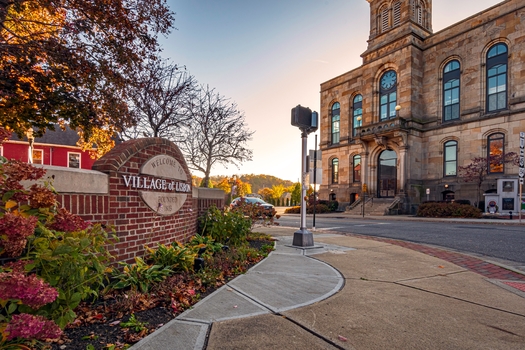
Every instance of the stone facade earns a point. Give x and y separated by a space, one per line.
455 88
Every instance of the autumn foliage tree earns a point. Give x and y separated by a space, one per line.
479 168
73 61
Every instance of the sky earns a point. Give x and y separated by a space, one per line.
269 56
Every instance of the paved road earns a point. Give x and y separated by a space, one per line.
500 242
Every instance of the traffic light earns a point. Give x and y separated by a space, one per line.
365 188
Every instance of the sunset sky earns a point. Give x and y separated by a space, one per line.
271 55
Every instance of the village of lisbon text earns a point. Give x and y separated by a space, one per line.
148 183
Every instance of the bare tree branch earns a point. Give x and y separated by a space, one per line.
160 100
216 133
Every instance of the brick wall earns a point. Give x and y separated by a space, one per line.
136 224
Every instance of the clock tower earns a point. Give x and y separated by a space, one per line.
392 20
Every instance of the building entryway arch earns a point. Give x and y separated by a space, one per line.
448 195
387 174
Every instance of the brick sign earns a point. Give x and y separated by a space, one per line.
162 184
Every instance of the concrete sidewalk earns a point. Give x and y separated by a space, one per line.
351 293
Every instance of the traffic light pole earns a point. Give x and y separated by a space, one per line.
303 237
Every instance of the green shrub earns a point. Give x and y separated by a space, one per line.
225 227
139 275
175 256
75 263
443 210
211 247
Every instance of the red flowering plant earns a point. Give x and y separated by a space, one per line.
21 294
62 249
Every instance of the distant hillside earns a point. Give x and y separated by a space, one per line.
261 181
257 181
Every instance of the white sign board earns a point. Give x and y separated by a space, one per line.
522 155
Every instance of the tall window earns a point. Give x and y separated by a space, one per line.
451 74
450 161
496 153
38 156
335 123
417 11
73 160
356 165
388 93
396 11
358 114
335 171
385 21
497 61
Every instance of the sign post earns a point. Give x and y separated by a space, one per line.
522 167
307 121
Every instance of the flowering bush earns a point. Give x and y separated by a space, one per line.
65 251
29 290
32 327
67 222
14 230
20 295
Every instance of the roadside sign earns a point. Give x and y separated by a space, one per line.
522 156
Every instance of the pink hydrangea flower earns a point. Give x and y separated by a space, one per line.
16 229
32 327
30 290
67 222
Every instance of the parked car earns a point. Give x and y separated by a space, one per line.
247 204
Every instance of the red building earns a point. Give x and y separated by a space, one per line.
57 148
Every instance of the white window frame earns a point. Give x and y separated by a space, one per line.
41 151
79 160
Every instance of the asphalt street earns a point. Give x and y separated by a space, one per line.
497 240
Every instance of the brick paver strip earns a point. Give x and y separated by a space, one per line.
469 262
517 285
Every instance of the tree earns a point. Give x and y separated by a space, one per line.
478 169
159 100
266 193
296 193
73 61
278 191
215 134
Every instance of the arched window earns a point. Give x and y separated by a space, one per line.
496 153
335 123
385 20
451 74
417 11
358 114
450 159
497 61
335 170
388 95
356 166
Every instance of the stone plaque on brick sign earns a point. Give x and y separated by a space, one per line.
161 184
164 166
163 203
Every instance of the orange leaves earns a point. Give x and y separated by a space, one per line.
31 22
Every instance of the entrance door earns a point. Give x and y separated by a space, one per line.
387 176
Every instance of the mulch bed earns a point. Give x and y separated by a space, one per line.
99 325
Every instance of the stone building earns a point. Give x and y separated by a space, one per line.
423 104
